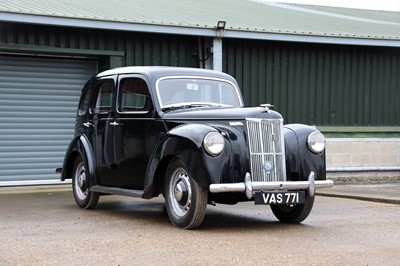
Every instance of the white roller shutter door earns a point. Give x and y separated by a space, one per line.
38 101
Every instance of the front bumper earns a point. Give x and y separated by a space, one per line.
248 187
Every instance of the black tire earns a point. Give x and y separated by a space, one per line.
84 198
293 213
185 199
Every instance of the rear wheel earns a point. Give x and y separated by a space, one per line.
293 213
185 199
84 198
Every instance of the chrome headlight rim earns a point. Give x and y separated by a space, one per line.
316 142
214 143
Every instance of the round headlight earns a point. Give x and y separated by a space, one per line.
214 143
316 142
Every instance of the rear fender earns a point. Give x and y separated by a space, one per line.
79 146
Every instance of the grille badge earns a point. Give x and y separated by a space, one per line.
267 166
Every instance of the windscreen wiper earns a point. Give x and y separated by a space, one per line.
172 107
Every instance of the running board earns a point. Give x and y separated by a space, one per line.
118 191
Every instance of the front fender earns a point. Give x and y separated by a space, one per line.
79 146
300 161
185 142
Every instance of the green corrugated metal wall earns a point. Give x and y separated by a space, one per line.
49 36
139 48
319 84
160 50
325 85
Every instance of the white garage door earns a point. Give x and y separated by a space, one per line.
38 101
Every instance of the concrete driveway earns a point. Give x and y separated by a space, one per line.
45 227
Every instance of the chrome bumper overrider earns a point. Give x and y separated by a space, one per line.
248 187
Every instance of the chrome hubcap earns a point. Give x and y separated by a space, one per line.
181 191
81 190
81 179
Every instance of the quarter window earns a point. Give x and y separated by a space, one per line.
84 103
104 96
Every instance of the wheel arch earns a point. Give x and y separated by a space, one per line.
79 146
300 161
159 175
186 144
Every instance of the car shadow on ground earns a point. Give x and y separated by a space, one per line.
222 217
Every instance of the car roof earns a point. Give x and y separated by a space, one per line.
154 72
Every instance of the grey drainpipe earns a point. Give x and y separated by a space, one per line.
217 54
217 46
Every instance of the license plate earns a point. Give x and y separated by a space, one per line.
280 198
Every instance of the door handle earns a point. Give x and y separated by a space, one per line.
88 124
115 123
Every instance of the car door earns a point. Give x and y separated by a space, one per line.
134 131
102 135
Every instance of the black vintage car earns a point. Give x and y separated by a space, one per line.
184 133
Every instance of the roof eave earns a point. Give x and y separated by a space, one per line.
192 31
312 38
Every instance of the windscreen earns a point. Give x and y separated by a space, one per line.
182 91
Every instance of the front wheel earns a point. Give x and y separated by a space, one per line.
84 198
185 199
293 213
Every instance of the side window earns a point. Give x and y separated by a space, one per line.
84 102
134 95
104 97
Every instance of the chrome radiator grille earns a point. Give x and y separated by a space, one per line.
267 150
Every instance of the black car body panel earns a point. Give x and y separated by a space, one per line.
136 124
